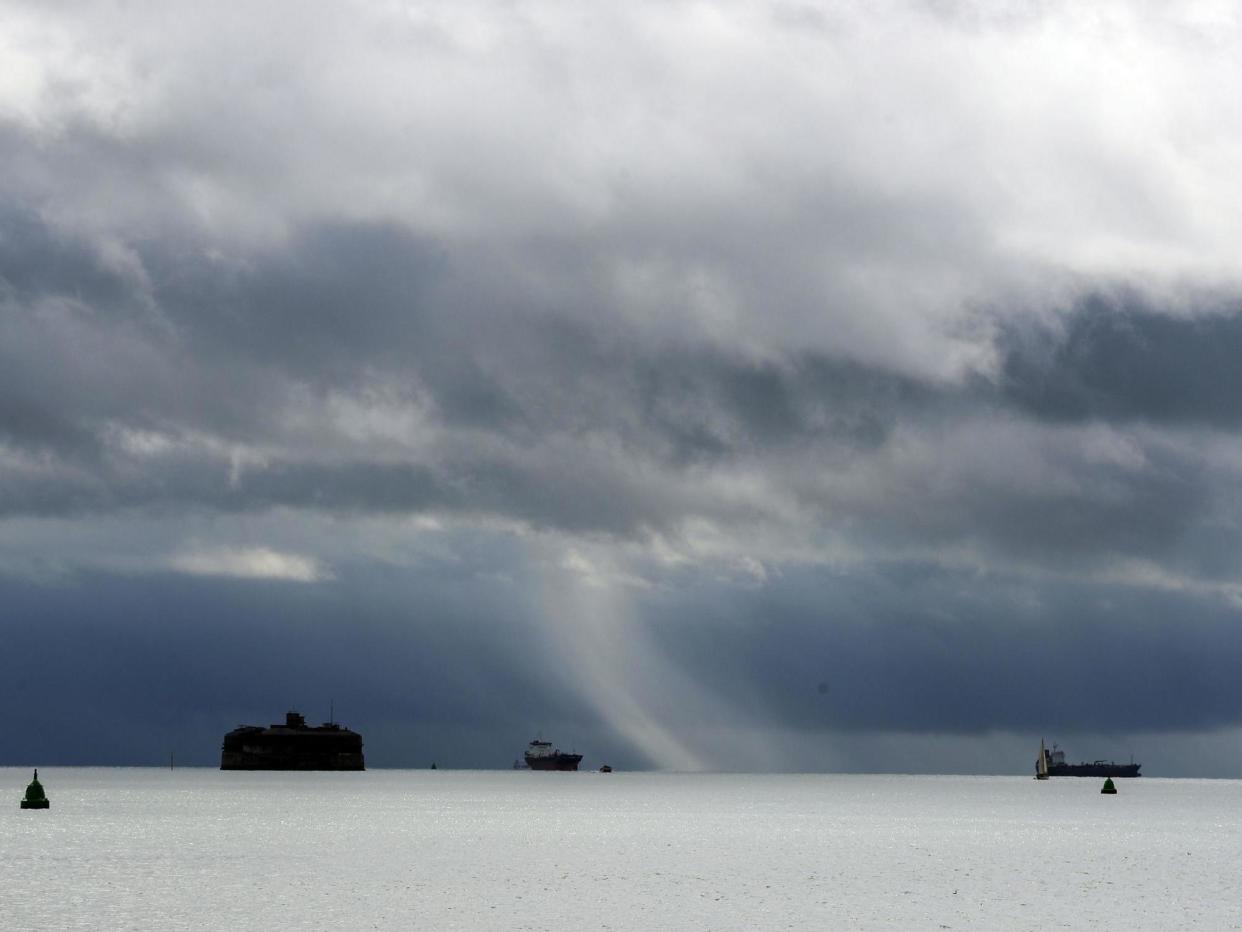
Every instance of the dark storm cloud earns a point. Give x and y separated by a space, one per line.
340 297
444 664
916 649
536 415
528 411
417 663
1128 361
85 348
1107 511
344 302
672 297
37 262
346 306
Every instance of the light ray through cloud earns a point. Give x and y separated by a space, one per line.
588 627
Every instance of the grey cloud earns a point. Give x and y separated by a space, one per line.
539 417
1127 361
441 662
801 289
338 299
347 306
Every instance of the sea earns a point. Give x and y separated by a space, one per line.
443 849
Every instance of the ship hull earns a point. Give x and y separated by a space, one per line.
1098 769
298 762
554 762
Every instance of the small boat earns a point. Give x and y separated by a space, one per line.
1041 763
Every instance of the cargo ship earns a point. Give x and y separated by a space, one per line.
1052 764
293 745
540 755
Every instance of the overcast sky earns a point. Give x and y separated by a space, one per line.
745 385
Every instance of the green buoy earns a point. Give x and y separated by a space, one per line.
35 797
1109 789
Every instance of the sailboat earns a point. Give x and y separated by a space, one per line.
1041 765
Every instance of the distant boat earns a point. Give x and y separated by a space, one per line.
540 755
1041 763
1054 764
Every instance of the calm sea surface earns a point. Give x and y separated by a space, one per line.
201 849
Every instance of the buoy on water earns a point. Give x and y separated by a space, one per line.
35 797
1109 789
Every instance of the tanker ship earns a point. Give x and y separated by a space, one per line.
540 755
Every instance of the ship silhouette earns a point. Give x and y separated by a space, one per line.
293 745
540 755
1052 764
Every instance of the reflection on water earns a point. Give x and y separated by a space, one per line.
194 849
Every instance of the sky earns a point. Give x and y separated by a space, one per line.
755 385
